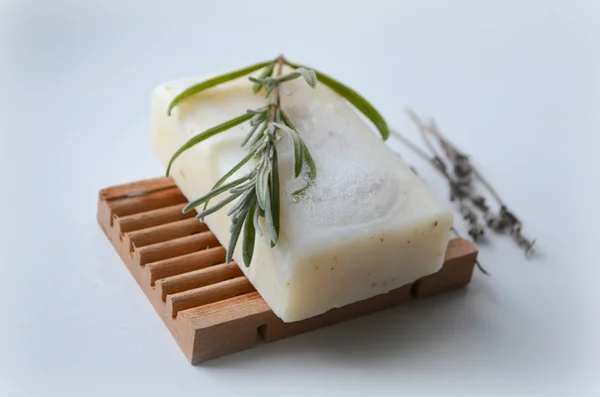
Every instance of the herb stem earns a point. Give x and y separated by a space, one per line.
421 153
435 160
453 149
412 146
422 130
488 186
275 100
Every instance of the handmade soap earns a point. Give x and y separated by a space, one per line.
366 226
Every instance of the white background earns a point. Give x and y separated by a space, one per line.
515 83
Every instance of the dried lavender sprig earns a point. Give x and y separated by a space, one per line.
458 192
462 161
466 171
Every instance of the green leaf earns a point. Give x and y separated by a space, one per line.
256 87
249 236
286 120
207 134
274 193
284 128
307 158
312 175
230 173
250 133
215 192
196 88
354 98
256 220
243 204
270 88
262 187
217 207
258 136
259 110
258 118
298 147
244 187
260 145
270 221
309 75
311 163
288 77
255 80
267 72
235 234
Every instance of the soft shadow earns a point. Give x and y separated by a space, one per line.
405 331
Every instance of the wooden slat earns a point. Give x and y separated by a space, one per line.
162 233
151 201
138 188
208 294
175 248
185 263
197 278
210 307
156 217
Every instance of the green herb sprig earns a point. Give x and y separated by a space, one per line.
256 195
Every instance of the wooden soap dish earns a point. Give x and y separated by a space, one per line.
210 307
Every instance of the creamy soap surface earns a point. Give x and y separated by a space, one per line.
368 224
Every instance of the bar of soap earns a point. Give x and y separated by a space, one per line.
367 225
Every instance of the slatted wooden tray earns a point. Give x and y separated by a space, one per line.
210 307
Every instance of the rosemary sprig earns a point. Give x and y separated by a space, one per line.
256 195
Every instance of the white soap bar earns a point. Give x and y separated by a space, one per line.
368 224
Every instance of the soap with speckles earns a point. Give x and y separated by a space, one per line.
366 226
